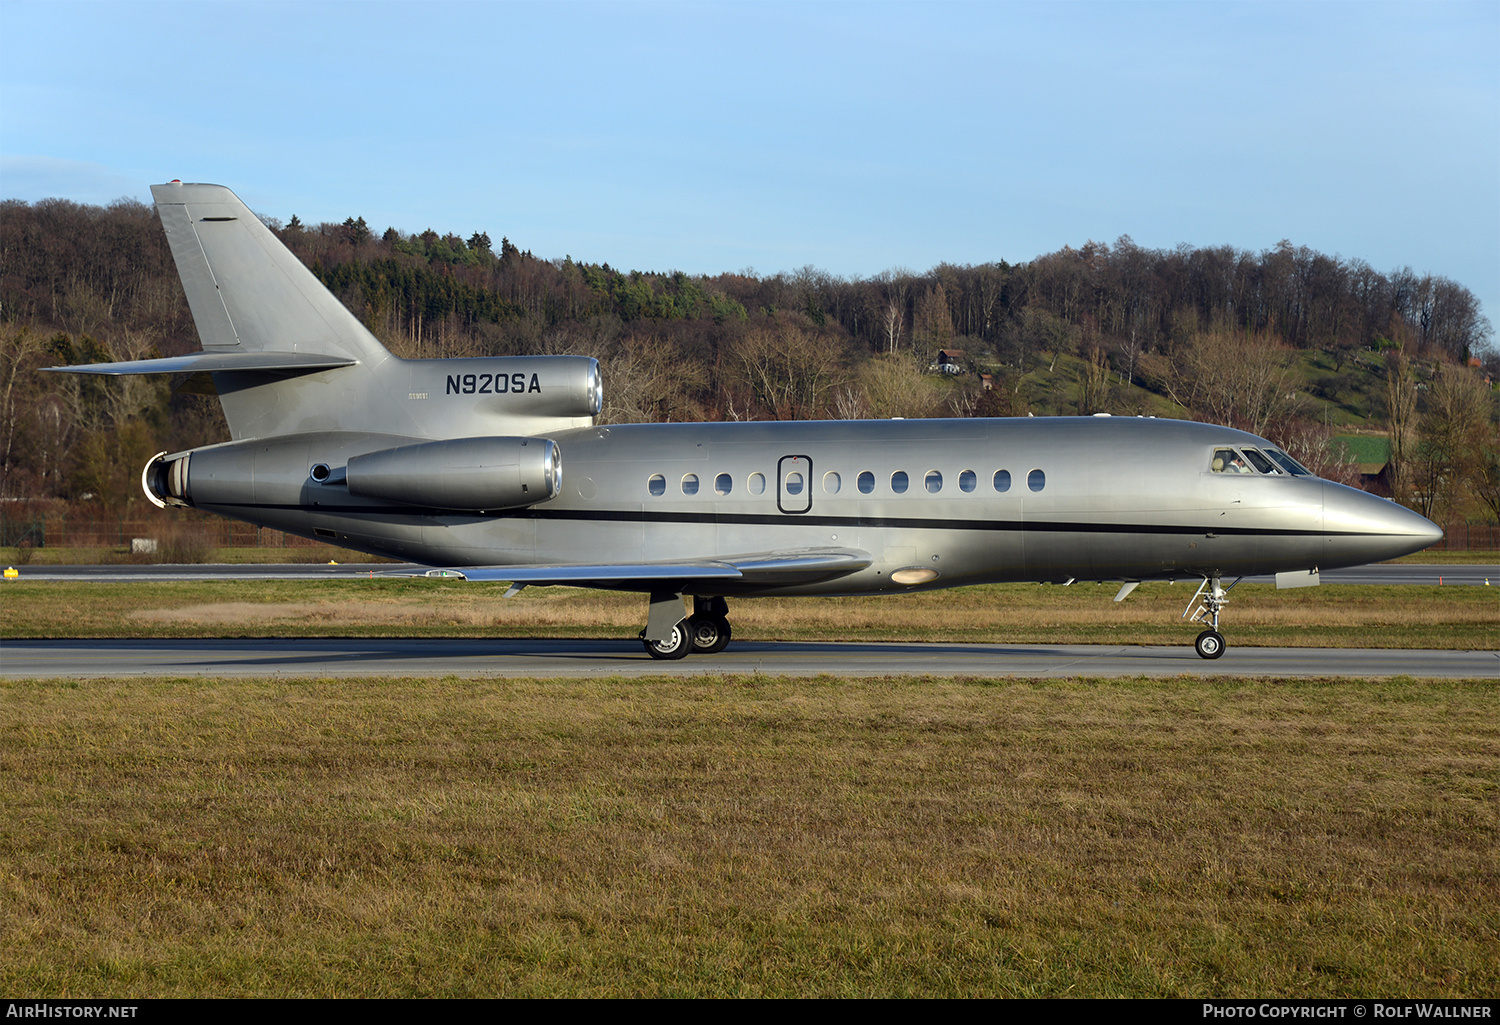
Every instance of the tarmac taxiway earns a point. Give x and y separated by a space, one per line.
501 657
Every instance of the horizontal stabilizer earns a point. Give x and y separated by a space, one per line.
769 569
214 362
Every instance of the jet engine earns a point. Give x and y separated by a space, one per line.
466 474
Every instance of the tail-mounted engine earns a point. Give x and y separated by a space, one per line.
501 395
464 474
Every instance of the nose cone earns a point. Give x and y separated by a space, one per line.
1360 528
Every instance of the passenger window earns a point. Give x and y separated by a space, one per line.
831 483
757 483
933 482
898 482
968 481
1260 462
865 482
1002 480
690 484
794 483
657 485
723 484
1036 480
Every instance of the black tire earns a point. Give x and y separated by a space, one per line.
710 634
1210 644
674 647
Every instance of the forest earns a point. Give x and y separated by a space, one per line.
1289 343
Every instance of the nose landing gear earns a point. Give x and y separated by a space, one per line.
1210 643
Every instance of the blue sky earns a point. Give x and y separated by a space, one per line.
854 137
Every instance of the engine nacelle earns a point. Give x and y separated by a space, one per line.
465 474
471 474
514 386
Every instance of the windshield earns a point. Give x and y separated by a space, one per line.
1289 464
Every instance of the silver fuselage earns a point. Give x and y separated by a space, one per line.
1117 499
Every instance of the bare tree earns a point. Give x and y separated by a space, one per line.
1232 378
20 355
1486 482
790 372
1453 429
896 386
933 322
1401 415
1094 390
894 296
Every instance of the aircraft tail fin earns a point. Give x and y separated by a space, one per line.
248 293
284 354
286 357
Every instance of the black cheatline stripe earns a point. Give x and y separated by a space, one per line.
788 519
917 522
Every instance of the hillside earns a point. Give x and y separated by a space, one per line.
1287 343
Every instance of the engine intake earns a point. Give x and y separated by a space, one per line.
165 481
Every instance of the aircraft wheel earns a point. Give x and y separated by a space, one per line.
710 634
675 646
1210 644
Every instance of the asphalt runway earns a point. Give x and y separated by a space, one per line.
573 658
562 658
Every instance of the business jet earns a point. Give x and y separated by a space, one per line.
495 469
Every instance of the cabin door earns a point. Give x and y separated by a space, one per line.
794 484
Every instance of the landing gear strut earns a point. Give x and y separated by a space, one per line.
666 635
1210 643
669 636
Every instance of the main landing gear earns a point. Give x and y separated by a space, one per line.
1210 643
709 625
669 636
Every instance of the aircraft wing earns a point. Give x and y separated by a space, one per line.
770 569
210 362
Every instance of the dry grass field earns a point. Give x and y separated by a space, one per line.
750 837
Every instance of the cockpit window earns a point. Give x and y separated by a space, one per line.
1260 462
1227 460
1288 464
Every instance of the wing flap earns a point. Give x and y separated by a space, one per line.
800 565
605 574
769 569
